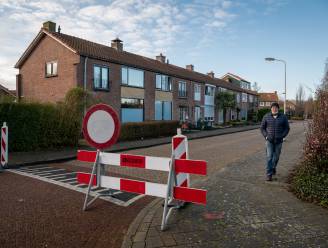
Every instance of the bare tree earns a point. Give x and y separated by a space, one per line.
300 98
325 77
256 87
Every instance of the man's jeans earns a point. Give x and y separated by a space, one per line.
272 154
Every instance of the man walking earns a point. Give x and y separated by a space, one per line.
274 128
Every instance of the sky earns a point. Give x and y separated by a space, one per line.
214 35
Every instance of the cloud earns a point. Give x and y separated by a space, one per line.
146 27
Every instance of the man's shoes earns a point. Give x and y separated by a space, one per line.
269 178
274 172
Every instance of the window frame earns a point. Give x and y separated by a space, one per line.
169 82
186 113
101 71
162 110
182 91
197 86
127 84
51 68
143 107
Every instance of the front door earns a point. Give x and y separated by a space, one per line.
197 113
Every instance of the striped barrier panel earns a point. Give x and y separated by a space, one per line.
4 145
178 168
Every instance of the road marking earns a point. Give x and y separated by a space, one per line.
35 169
60 176
68 179
48 172
66 184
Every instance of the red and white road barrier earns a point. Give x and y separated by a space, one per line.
178 166
4 145
180 151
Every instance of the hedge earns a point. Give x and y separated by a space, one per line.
147 129
34 126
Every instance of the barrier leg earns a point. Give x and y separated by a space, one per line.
94 170
171 182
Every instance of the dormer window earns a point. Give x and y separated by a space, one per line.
51 69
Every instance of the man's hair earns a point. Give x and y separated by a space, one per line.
274 104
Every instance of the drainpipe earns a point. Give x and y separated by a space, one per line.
85 84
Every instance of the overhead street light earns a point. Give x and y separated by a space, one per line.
283 61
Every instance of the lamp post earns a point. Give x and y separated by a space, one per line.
283 61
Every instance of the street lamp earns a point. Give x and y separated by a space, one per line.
283 61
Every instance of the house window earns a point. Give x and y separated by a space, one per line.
244 97
163 82
100 77
237 97
132 77
163 110
183 113
268 104
51 69
132 110
209 91
182 89
262 104
209 113
197 89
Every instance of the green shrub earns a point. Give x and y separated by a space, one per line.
147 129
310 181
311 185
34 126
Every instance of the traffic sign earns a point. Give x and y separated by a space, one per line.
101 126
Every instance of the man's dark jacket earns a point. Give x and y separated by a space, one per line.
275 129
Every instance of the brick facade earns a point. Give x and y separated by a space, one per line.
34 83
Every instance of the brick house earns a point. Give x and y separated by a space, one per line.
137 87
5 92
266 99
246 103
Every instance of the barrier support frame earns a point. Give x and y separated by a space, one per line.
171 182
94 173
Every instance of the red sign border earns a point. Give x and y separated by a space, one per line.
117 125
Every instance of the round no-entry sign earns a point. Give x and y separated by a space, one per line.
101 126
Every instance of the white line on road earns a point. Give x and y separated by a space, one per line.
68 179
49 172
37 169
58 176
81 190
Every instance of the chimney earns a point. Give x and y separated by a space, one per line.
50 26
117 44
210 74
275 92
190 67
161 58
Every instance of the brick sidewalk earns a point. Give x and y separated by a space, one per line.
242 211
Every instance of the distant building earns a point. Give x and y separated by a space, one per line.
290 106
246 103
266 99
5 92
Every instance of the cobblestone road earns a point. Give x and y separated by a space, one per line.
243 210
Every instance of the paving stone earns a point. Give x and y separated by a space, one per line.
153 242
140 236
138 244
253 213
